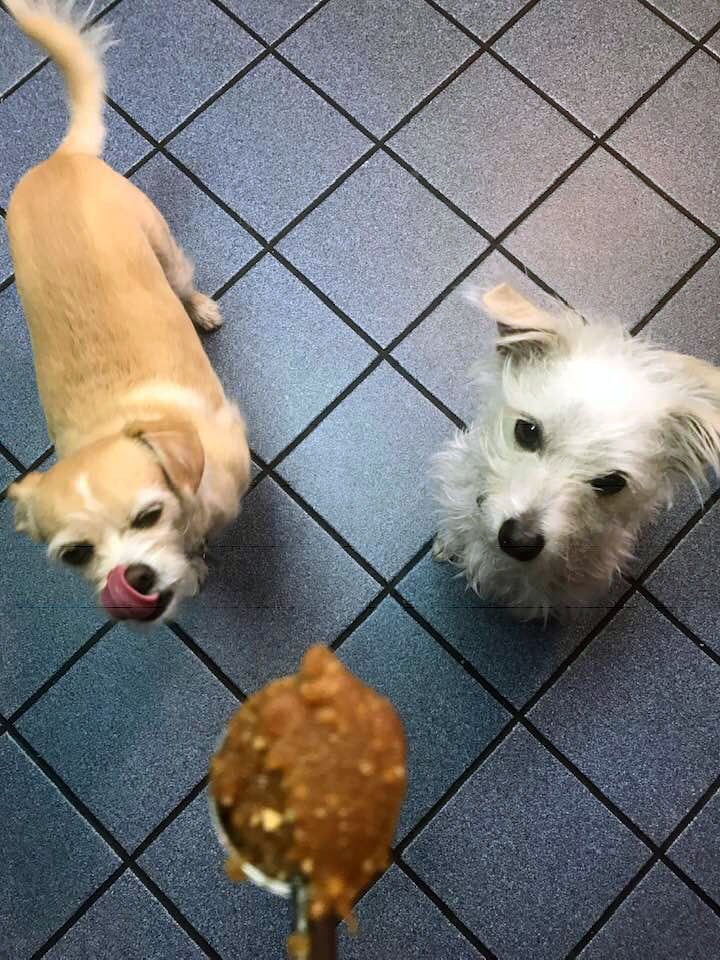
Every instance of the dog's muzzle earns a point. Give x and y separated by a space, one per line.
129 593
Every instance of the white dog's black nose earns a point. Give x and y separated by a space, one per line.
141 577
519 542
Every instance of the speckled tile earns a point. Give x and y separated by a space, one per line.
639 703
515 656
276 145
239 920
18 54
33 122
496 175
675 135
127 922
384 433
696 16
278 584
662 919
483 17
395 919
271 18
595 59
378 59
268 358
23 430
216 244
382 247
130 727
393 654
39 631
525 855
573 242
160 85
6 266
697 849
677 585
442 350
52 859
686 324
8 473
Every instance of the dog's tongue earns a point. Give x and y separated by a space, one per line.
124 602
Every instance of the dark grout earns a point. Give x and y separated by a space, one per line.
446 911
676 287
38 462
657 857
38 67
679 625
79 912
678 538
208 662
677 27
127 861
12 459
61 671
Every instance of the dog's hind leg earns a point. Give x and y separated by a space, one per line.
177 266
179 270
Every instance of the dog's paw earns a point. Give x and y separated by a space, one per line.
204 312
440 552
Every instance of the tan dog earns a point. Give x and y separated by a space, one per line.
153 457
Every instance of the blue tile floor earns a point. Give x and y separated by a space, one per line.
340 170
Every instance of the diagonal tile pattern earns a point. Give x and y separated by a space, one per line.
546 766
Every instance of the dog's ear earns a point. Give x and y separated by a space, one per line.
178 449
22 493
692 435
523 328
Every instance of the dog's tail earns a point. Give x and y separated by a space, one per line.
57 27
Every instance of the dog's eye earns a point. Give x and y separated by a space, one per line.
77 554
528 435
147 518
607 486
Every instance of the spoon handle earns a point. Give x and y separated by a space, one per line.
323 939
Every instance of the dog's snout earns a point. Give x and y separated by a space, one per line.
519 541
141 577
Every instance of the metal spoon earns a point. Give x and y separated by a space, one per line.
321 933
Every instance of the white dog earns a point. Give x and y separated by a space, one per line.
582 434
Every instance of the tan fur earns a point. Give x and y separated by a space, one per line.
110 304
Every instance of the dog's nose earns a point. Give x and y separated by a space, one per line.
518 542
140 577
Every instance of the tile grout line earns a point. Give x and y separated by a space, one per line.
657 857
123 868
79 912
12 459
126 858
676 287
702 646
207 661
37 462
61 671
446 910
677 27
45 60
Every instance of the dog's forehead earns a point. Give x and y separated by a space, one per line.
106 477
597 389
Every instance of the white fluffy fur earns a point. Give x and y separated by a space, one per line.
606 402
